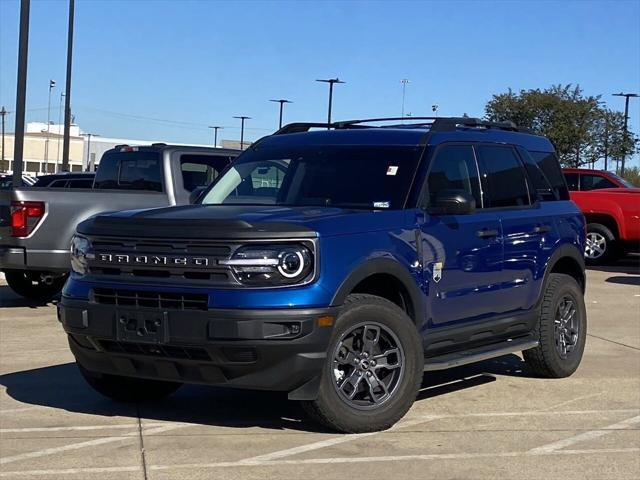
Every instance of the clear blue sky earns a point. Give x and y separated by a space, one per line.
204 62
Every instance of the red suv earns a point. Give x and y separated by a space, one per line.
611 206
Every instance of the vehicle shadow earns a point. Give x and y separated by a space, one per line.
624 280
629 264
9 299
62 387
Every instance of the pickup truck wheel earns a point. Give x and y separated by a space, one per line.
373 370
128 389
562 329
600 247
40 286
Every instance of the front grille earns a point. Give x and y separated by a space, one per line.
161 256
167 351
160 300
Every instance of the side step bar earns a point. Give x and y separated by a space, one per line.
479 354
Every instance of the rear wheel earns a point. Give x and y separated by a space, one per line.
561 331
373 370
128 389
40 286
600 247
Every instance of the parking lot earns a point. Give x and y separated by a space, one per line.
489 420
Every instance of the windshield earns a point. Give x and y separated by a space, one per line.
338 176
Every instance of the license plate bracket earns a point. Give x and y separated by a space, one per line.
142 327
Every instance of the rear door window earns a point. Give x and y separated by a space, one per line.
503 177
453 169
572 181
594 182
201 170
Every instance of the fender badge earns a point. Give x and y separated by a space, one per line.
437 271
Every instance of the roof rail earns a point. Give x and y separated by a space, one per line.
435 124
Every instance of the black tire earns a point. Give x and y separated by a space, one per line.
128 389
600 237
29 284
336 412
546 360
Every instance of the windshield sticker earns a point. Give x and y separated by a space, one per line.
392 170
381 204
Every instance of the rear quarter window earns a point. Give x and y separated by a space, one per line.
550 166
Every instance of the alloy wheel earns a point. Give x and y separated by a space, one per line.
596 245
566 328
368 365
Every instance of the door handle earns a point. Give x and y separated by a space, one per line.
486 233
542 229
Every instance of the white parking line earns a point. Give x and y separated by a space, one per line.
79 428
334 441
314 461
409 423
551 447
88 443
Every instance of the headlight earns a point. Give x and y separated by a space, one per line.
271 265
80 252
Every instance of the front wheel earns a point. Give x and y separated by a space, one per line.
561 329
373 370
39 286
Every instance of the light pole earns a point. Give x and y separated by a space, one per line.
626 96
434 109
282 101
52 83
67 88
330 81
215 135
21 93
242 119
404 83
3 113
59 136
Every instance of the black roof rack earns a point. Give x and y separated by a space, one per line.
435 124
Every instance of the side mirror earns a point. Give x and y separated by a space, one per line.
453 202
196 194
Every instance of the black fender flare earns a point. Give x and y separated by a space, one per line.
564 251
389 267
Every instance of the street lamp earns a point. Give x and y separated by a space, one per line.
52 83
215 135
242 119
404 83
282 101
434 109
330 81
626 96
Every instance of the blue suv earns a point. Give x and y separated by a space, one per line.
338 264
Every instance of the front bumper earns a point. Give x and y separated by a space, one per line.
279 349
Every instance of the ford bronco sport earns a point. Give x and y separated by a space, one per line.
338 265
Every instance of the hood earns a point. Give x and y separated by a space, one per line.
239 222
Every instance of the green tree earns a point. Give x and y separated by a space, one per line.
581 128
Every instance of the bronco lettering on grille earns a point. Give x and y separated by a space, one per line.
122 259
